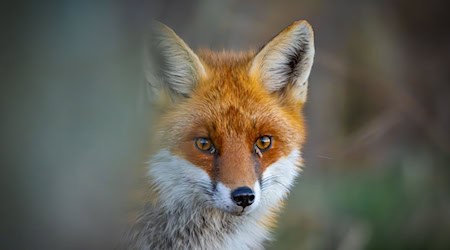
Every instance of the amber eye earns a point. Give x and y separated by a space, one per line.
204 144
264 142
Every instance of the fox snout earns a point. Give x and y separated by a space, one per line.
238 201
237 175
243 196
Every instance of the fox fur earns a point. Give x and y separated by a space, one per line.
232 99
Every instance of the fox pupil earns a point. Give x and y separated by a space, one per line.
204 144
264 142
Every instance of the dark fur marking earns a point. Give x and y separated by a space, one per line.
215 171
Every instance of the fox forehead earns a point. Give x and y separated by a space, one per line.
231 103
233 110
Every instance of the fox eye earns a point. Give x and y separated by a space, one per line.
205 145
264 142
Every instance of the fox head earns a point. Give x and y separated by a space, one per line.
231 137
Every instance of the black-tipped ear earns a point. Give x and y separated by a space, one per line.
170 64
287 59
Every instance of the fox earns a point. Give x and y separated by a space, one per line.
228 143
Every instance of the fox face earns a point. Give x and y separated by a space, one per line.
232 133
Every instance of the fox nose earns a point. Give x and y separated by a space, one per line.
243 196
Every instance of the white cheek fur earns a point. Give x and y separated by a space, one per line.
222 198
180 181
279 177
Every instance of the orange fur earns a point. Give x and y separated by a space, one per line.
229 100
233 109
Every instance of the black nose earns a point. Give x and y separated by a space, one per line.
243 196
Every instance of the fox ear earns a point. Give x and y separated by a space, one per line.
285 62
170 64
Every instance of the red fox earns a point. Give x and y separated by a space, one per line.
229 142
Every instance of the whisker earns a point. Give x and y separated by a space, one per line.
325 157
271 180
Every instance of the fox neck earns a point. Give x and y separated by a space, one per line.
204 228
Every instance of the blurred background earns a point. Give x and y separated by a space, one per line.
75 118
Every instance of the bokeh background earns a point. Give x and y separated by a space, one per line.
75 118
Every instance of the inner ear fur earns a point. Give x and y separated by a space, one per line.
170 65
287 61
